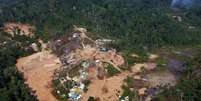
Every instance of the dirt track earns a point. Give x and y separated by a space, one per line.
38 73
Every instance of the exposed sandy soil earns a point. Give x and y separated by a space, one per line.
38 72
137 68
153 56
111 57
39 68
114 88
25 29
114 85
117 59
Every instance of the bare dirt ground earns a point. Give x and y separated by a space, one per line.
25 29
39 68
112 84
38 72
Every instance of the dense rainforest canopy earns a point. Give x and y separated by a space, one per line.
135 24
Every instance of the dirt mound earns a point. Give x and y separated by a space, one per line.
38 72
